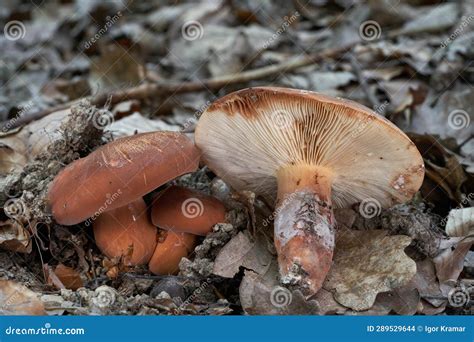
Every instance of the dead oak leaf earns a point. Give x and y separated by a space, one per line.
403 301
450 263
262 294
70 278
327 304
426 282
243 250
260 291
367 263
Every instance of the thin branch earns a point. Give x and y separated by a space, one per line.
167 89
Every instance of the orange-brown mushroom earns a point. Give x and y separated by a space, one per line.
171 248
184 210
126 232
119 173
307 152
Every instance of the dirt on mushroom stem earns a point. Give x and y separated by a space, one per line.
304 226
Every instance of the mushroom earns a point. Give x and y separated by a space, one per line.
126 232
118 173
308 152
184 210
171 248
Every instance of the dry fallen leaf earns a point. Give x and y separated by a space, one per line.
56 305
260 290
322 81
17 299
345 217
327 304
367 263
44 131
13 152
420 294
449 264
444 175
137 123
433 19
218 47
447 114
263 295
376 310
14 237
460 222
403 301
19 146
242 251
113 68
430 310
427 284
70 278
403 94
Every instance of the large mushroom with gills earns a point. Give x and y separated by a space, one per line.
308 153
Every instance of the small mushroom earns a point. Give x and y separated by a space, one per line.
118 173
127 233
171 248
307 152
184 210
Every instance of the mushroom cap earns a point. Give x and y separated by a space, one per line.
118 173
185 210
169 251
248 135
128 227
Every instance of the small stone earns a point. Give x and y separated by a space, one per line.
171 285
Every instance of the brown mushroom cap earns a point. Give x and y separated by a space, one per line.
169 252
251 135
126 229
119 173
185 210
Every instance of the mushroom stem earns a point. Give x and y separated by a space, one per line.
304 226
